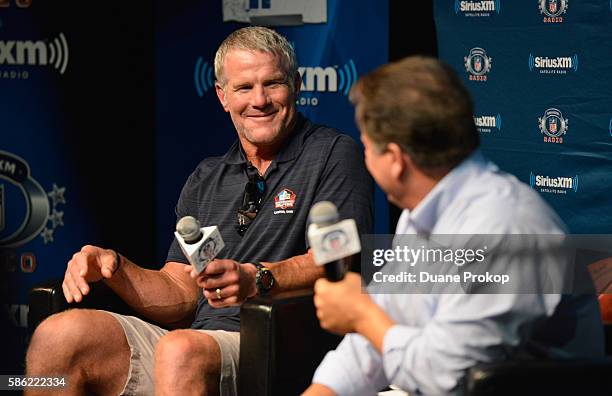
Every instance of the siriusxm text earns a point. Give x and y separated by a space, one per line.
560 62
23 53
546 181
485 121
467 6
319 79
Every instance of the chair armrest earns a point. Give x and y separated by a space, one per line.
47 299
541 377
44 300
281 344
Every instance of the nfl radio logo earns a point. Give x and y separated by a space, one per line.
553 126
477 64
553 10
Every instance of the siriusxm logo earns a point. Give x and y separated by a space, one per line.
477 8
336 79
557 185
486 124
329 79
553 65
36 53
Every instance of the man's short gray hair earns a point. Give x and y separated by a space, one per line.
262 39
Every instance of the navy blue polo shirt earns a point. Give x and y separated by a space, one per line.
315 164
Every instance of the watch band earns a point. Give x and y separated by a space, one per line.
264 279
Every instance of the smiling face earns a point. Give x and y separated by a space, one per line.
258 96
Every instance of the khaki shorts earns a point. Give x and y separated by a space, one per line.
142 338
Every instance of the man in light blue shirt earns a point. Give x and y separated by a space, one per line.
421 146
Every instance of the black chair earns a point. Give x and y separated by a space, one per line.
281 344
280 337
591 377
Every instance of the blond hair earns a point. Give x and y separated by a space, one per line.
261 39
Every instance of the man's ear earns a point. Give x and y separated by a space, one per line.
399 160
221 96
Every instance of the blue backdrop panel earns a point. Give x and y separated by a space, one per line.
40 207
71 116
191 124
540 73
39 201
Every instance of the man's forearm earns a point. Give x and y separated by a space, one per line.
298 272
161 296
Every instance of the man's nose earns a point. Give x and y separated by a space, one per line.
260 96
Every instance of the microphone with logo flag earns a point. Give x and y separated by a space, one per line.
199 244
331 240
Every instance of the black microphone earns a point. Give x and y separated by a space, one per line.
332 241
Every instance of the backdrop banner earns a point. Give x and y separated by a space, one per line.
540 73
38 200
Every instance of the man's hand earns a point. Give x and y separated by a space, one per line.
226 282
341 305
89 265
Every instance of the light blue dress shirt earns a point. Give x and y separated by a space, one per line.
437 337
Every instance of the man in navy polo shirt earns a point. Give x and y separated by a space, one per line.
259 195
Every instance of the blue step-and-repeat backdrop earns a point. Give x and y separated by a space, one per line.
540 72
76 145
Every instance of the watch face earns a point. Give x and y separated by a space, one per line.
267 281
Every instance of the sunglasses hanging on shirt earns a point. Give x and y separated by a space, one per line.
251 199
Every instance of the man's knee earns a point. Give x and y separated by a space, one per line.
88 346
68 335
188 348
60 332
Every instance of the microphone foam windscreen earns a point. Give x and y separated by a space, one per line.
188 227
324 213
